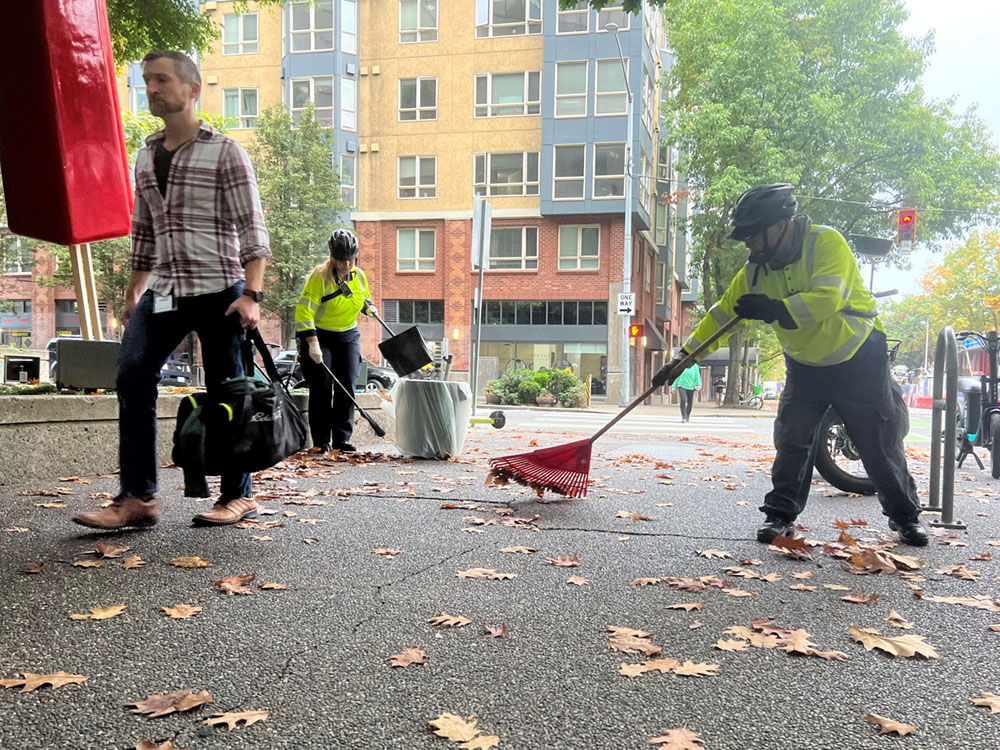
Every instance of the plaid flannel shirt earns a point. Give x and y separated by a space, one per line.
197 238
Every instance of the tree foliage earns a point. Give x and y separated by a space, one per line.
300 193
140 26
824 94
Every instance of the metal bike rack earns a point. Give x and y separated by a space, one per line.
942 495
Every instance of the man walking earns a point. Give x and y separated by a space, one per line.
688 382
803 279
199 247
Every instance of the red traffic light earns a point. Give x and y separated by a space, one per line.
635 330
907 226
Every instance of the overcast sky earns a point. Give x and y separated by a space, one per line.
965 64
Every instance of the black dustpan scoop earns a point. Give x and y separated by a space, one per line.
405 352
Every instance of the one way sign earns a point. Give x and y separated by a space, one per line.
626 303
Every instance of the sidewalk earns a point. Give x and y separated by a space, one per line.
700 408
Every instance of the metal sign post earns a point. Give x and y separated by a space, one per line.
482 216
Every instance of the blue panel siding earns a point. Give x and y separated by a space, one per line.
591 129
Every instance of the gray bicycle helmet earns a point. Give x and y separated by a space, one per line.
343 245
760 207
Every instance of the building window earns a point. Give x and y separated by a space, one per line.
611 96
648 276
508 17
349 26
513 248
540 313
140 103
240 105
506 94
312 25
348 177
660 224
506 174
418 21
319 91
646 184
663 162
417 177
18 258
568 172
571 89
428 311
414 251
661 282
579 248
648 101
348 104
575 20
418 98
612 15
239 34
609 170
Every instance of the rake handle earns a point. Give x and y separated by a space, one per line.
685 363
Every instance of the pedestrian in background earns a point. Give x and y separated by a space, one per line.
720 389
199 246
326 322
688 382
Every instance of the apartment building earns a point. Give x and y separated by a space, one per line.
435 102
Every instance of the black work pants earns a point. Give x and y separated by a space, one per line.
686 396
871 405
331 412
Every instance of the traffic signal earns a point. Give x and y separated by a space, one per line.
635 330
907 228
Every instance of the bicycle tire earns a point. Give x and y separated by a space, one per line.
848 477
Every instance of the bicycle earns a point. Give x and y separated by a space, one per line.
753 399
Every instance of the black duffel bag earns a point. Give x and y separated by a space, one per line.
245 424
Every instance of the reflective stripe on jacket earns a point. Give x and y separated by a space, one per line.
822 291
336 313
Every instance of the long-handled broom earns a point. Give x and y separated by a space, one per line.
565 468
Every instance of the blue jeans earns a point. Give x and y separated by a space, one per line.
149 339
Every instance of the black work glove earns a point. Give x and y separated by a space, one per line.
757 307
762 307
666 375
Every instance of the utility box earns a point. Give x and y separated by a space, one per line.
21 369
87 365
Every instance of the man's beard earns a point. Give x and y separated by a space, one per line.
159 107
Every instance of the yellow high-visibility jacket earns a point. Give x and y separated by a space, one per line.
822 291
322 306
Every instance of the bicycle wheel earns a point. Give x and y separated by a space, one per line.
757 402
837 460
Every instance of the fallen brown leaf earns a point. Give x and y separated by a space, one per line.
101 613
36 568
712 553
897 620
487 573
455 728
678 739
888 726
190 561
729 645
518 550
564 561
904 645
180 611
133 561
448 621
231 720
690 669
32 681
162 705
386 551
408 656
987 700
236 584
687 607
493 631
577 580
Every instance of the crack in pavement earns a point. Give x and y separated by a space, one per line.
621 532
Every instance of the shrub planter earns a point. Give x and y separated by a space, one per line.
545 400
493 399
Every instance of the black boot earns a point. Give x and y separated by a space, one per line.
911 532
773 527
344 447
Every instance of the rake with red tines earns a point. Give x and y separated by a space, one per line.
565 469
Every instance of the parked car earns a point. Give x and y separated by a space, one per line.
291 371
175 372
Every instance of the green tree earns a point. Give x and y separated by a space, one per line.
140 26
912 321
824 94
964 289
300 193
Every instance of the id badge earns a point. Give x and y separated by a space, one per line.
164 303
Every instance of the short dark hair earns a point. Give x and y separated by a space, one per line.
186 70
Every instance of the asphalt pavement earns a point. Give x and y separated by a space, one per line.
315 655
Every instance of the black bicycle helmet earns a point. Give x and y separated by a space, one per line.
760 207
343 245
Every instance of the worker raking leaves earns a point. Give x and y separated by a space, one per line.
803 279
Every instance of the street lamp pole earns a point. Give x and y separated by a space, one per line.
627 258
927 342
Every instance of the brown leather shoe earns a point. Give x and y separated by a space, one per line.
227 511
124 511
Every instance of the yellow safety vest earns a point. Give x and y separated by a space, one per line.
322 306
822 291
